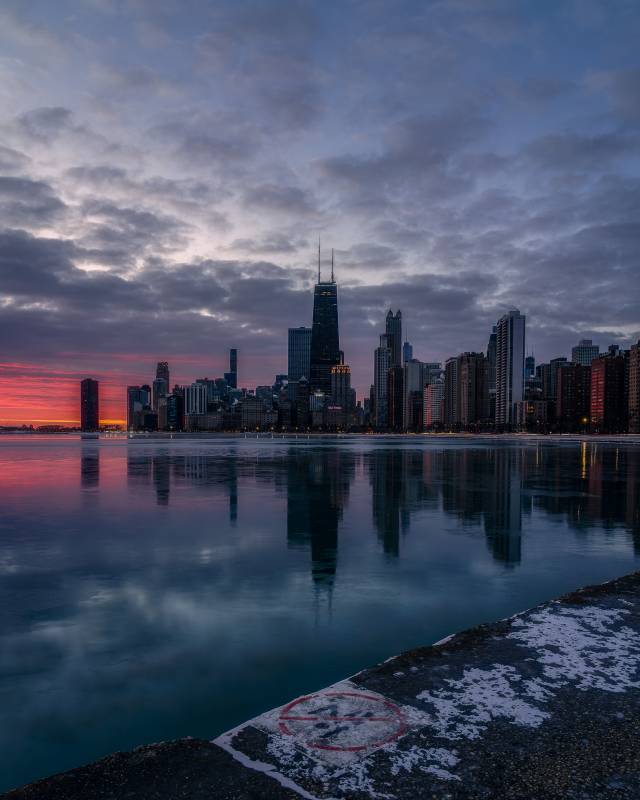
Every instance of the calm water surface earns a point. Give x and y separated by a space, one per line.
157 589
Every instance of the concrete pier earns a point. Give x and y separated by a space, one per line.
543 705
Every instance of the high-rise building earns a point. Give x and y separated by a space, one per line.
634 388
393 330
573 397
433 405
407 352
89 405
529 368
416 374
609 392
138 404
381 366
299 352
160 387
451 397
395 396
231 377
195 398
325 337
341 392
584 352
491 371
510 340
473 397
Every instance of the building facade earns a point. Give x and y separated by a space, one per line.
573 397
299 353
381 366
325 336
89 405
393 331
510 343
634 388
584 352
609 396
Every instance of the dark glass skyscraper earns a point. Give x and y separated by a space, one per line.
394 332
89 405
299 352
231 377
325 338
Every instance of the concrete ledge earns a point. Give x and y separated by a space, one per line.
543 705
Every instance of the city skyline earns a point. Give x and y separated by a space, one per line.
165 172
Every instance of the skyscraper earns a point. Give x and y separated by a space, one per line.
89 405
231 377
584 352
299 353
634 388
160 384
341 391
573 396
451 394
529 368
381 366
325 337
609 399
491 372
407 352
138 402
393 331
509 365
473 397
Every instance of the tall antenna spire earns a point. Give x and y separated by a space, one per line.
318 259
332 279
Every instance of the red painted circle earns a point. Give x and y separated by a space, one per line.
343 721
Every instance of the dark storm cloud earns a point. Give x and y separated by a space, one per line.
27 202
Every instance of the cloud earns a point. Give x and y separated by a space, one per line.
27 202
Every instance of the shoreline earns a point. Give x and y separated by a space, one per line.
541 704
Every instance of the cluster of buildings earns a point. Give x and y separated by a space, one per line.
499 389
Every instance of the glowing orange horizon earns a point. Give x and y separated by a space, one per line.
38 394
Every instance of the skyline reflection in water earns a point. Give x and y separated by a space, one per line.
157 589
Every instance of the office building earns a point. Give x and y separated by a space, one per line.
299 353
433 405
634 388
491 371
138 405
451 410
510 342
393 330
573 397
89 405
341 391
407 352
231 377
609 392
381 366
395 398
325 337
195 398
473 396
529 368
584 352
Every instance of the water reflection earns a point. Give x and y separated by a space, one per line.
169 589
488 487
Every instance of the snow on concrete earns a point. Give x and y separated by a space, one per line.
584 646
464 708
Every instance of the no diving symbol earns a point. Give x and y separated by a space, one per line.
343 721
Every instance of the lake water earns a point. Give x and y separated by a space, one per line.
153 589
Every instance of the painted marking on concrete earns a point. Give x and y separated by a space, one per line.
348 722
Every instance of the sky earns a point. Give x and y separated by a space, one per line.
167 166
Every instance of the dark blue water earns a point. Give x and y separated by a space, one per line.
157 589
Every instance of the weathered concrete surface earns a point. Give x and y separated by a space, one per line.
544 705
